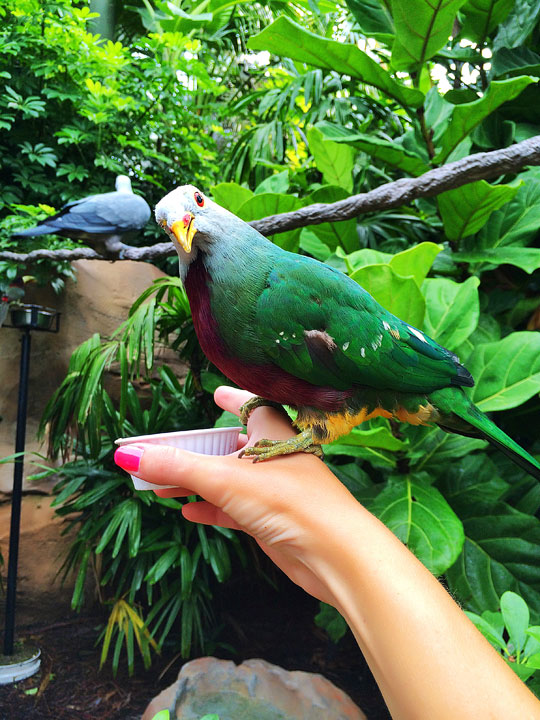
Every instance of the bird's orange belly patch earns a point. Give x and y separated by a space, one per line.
338 424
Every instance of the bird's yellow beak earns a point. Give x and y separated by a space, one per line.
184 230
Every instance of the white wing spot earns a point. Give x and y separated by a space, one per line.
363 352
281 333
277 342
385 325
345 346
418 334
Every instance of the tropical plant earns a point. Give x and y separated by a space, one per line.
152 568
509 632
350 98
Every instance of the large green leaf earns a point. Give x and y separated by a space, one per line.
452 310
400 295
231 195
518 61
431 449
488 330
500 554
334 160
421 28
378 457
480 17
415 261
466 209
467 116
391 153
379 436
518 25
472 480
365 256
264 204
517 222
507 372
527 259
287 39
372 16
334 234
311 244
421 518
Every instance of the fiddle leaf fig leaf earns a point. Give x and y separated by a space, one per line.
467 116
415 261
264 204
422 519
452 310
516 222
507 372
231 195
286 38
500 553
391 153
466 209
480 17
421 29
399 295
527 259
334 160
372 16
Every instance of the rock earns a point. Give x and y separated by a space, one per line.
254 690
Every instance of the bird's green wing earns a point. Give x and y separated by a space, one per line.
318 324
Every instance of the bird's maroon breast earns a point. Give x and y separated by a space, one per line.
267 380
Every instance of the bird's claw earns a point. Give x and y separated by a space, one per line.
253 403
266 449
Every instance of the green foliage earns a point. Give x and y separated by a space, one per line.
157 571
509 632
348 99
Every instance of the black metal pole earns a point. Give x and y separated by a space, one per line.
16 496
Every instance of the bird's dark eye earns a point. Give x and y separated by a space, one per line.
199 199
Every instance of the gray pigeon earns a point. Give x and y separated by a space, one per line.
103 221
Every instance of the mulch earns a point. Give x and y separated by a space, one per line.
256 620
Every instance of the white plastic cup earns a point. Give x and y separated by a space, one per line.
211 441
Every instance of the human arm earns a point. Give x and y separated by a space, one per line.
428 659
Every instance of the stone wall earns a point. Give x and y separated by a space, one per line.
98 301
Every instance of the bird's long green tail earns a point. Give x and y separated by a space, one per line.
460 415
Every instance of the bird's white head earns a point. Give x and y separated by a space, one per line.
123 184
186 211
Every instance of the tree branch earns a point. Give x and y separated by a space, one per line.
480 166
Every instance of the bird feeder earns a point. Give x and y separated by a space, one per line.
26 318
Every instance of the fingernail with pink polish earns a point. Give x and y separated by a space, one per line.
129 457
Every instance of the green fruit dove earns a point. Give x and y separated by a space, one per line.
297 332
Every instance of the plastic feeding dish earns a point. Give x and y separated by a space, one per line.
213 441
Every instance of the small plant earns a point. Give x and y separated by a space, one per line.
166 715
509 632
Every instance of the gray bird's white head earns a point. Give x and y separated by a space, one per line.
123 184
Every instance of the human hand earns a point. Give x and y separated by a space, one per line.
287 504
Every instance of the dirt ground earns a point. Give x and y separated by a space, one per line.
257 621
